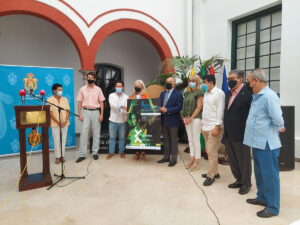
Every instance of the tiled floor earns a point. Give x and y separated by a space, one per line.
126 192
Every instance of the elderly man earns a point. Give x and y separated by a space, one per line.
262 127
171 105
237 104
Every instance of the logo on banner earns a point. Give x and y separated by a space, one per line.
49 79
67 80
12 79
30 82
34 138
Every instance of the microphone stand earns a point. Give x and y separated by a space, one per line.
62 175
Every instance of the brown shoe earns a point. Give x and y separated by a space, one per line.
195 167
62 159
57 161
109 156
136 156
142 157
122 155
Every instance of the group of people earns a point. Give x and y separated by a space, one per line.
248 116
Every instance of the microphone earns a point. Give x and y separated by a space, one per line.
42 93
22 93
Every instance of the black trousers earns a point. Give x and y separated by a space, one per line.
239 157
170 135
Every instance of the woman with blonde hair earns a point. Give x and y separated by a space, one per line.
192 116
139 92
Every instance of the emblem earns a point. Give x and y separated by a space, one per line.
34 138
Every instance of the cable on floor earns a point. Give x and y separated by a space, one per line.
200 188
87 173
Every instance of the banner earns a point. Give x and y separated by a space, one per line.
143 124
14 78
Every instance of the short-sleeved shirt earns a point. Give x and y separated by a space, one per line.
190 103
63 103
90 97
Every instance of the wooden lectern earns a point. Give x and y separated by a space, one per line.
27 117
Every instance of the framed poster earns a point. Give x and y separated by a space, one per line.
143 124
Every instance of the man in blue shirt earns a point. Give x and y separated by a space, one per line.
263 124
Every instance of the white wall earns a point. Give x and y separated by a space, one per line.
27 40
213 36
132 52
290 56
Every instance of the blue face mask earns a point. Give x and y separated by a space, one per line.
192 84
119 90
59 93
204 87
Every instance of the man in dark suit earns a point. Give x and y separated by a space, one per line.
237 104
171 105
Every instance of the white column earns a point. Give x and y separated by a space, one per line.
189 28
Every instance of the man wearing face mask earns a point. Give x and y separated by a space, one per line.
63 102
263 125
212 126
117 119
171 105
90 101
237 105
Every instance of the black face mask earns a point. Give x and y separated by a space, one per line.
90 81
137 89
249 87
169 86
232 83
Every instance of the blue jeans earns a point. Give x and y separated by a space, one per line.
266 171
115 128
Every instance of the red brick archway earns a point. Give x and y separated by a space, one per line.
87 53
53 16
136 26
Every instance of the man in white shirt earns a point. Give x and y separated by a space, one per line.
212 126
117 119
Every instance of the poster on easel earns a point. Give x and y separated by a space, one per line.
143 124
13 79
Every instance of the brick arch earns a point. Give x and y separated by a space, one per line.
53 16
132 25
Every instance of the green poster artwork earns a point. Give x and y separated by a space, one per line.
143 124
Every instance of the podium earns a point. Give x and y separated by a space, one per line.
27 117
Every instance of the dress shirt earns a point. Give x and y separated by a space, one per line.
90 97
63 103
264 121
234 93
167 96
117 114
213 109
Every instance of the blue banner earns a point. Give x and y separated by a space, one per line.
14 78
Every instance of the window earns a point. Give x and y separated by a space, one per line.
256 43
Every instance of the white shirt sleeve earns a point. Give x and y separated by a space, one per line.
220 108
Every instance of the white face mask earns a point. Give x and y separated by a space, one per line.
59 93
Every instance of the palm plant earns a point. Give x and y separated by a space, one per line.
181 66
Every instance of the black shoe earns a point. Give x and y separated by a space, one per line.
163 161
254 201
265 213
80 159
172 163
208 181
204 155
216 176
95 157
235 185
187 150
244 189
